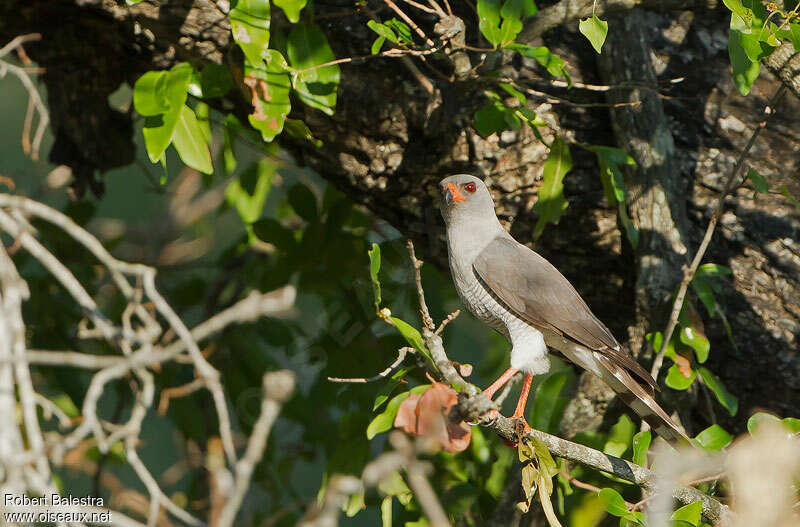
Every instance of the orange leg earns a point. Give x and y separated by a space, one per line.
523 397
500 382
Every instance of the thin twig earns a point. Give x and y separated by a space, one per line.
277 388
410 22
401 355
424 8
688 275
451 317
178 391
423 307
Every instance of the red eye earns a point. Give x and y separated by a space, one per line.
470 187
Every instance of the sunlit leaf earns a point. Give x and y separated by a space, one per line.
551 204
269 86
620 436
689 513
382 30
191 143
374 267
292 8
250 27
385 420
697 341
615 504
595 30
641 443
677 380
149 93
713 438
758 418
159 129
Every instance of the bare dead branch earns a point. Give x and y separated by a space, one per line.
278 387
401 355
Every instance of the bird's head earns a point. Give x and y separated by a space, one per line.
464 195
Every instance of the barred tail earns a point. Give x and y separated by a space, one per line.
641 401
637 396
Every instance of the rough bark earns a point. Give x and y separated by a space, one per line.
389 142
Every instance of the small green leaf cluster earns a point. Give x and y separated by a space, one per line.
754 33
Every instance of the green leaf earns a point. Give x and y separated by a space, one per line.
697 341
745 70
159 129
511 90
270 230
736 7
292 8
551 204
374 267
689 513
250 27
387 389
790 197
713 438
402 30
316 86
595 30
545 414
303 202
384 421
269 85
641 443
500 22
215 81
299 130
712 270
758 181
249 192
620 436
149 93
490 119
386 512
541 54
383 31
725 398
614 503
190 142
676 380
377 45
792 424
759 418
411 334
65 403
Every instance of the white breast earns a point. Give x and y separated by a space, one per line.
529 352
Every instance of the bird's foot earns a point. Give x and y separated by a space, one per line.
521 430
490 417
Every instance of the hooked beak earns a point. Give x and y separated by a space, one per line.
451 194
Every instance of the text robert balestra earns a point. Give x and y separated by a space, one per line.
51 500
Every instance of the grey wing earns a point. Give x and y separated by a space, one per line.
539 294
